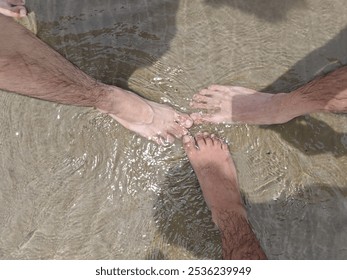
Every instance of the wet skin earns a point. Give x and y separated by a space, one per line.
230 104
36 70
224 104
216 172
13 8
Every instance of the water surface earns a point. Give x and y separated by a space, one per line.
77 185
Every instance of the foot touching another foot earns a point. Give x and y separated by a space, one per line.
226 104
157 122
215 170
13 8
216 173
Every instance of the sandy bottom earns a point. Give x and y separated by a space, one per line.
76 185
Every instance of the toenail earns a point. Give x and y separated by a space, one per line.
22 13
189 123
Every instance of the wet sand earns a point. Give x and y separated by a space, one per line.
77 185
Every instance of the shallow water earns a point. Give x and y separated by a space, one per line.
77 185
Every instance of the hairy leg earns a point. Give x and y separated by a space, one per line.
228 104
30 67
216 173
13 8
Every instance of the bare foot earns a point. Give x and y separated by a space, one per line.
154 121
13 8
226 104
216 173
215 170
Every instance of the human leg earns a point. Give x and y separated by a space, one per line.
216 172
229 104
30 67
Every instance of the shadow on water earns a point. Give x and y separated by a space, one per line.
320 136
182 216
312 136
306 227
108 39
269 10
321 61
118 37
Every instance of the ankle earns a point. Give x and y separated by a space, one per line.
114 101
282 109
107 98
300 104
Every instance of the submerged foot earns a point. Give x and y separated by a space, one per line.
216 173
227 104
215 170
13 8
154 121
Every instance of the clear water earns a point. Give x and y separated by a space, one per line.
76 185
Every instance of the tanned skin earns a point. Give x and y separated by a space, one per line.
216 172
30 67
229 104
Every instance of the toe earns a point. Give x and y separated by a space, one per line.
199 135
177 130
218 88
189 144
208 139
17 11
22 11
184 120
188 123
215 140
163 139
224 146
219 142
196 117
197 98
207 118
155 139
205 92
198 105
200 98
200 140
169 139
16 2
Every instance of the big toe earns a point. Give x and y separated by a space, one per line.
189 144
166 140
184 120
218 88
15 11
16 2
196 117
177 130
